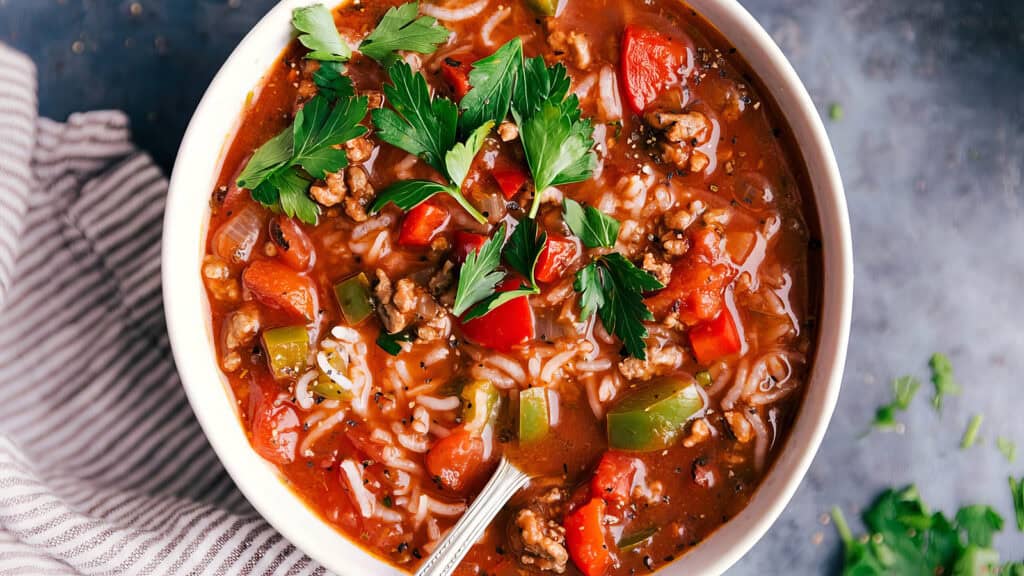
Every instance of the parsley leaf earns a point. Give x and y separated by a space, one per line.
524 248
979 523
480 274
400 29
492 79
521 252
407 194
291 188
594 228
390 343
1017 493
459 159
273 154
1007 448
942 378
319 34
588 284
971 433
904 389
330 82
614 287
535 84
319 128
418 125
558 146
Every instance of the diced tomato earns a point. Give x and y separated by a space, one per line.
506 326
585 539
613 477
650 62
510 181
275 431
694 294
457 460
558 254
233 198
278 286
706 245
422 224
456 74
716 338
293 246
466 242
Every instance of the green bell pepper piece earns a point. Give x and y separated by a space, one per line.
354 298
653 417
287 351
534 419
480 402
324 386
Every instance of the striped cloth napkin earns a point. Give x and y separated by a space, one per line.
103 468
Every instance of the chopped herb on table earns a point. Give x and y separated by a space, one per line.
904 389
907 539
836 112
1007 448
1017 493
971 434
943 380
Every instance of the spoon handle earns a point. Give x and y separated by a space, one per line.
507 480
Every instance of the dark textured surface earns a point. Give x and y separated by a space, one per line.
932 151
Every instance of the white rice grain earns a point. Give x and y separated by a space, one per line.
439 404
610 103
555 364
318 432
509 366
303 396
364 498
488 28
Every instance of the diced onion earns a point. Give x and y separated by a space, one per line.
237 237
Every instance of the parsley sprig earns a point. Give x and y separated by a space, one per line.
492 79
401 29
610 285
318 33
481 273
281 170
427 128
942 378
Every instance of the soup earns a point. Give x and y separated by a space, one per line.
446 234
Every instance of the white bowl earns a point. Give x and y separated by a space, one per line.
188 323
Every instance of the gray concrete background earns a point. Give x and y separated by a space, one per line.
931 148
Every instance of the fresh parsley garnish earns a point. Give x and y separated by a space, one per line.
971 433
1017 493
594 228
521 253
558 146
318 33
492 80
1007 448
391 343
480 273
400 29
908 539
273 173
904 389
614 287
426 128
942 378
536 83
418 125
331 83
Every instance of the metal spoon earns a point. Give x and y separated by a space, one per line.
507 480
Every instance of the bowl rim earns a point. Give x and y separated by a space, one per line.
196 169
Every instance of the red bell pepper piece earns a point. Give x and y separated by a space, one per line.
613 478
510 181
275 431
456 74
422 224
293 246
585 539
280 287
716 338
506 326
555 258
457 460
650 61
466 242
